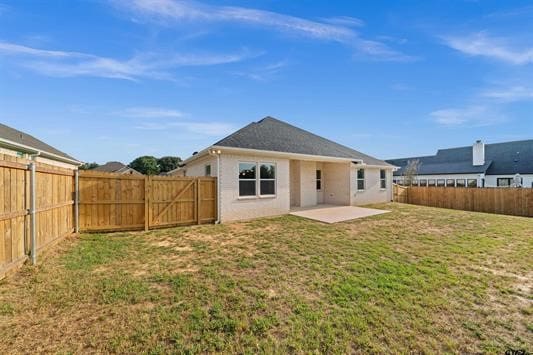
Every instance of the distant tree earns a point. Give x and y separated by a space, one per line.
167 164
88 166
145 165
410 171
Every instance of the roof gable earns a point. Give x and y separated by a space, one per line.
271 134
110 167
506 158
30 141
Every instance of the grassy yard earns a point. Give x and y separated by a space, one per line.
417 279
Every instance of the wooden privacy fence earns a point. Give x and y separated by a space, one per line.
52 213
112 202
510 201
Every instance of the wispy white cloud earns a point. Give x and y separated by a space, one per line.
263 73
498 48
146 65
510 94
339 29
153 118
474 115
215 129
150 112
347 21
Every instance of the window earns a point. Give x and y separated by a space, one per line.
414 182
472 182
267 179
450 182
207 171
460 182
504 182
423 182
383 178
247 179
319 180
431 182
360 179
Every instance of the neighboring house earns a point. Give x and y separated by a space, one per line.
270 167
117 168
22 145
481 165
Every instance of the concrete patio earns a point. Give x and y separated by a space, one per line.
334 214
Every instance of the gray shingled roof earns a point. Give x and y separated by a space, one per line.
110 167
272 134
506 158
19 137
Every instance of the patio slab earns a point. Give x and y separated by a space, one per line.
334 214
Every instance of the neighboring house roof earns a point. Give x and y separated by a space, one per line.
271 134
114 167
29 144
506 158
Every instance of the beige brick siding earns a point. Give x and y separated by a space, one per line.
235 208
336 180
373 192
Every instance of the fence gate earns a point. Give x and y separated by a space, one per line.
112 202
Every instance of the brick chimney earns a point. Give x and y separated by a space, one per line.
478 153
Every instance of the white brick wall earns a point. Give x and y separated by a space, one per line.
197 167
235 208
308 194
336 180
373 192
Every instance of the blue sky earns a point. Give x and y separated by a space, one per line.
112 80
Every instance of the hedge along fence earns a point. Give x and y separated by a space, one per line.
509 201
51 215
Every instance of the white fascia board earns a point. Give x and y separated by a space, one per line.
43 153
271 153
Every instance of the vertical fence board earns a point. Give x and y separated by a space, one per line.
130 202
509 201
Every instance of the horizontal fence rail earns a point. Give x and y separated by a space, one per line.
509 201
53 211
112 202
38 212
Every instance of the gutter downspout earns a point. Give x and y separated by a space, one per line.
76 201
217 152
218 189
33 209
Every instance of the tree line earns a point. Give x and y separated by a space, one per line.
147 164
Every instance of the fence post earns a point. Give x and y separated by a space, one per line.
33 224
146 203
198 198
76 201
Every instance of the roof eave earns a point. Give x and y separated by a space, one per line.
42 153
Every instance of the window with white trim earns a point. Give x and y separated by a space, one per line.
460 182
360 179
441 182
383 178
267 179
207 170
450 182
247 179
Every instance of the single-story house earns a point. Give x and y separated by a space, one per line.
504 164
270 167
22 145
116 167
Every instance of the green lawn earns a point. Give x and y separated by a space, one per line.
417 279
